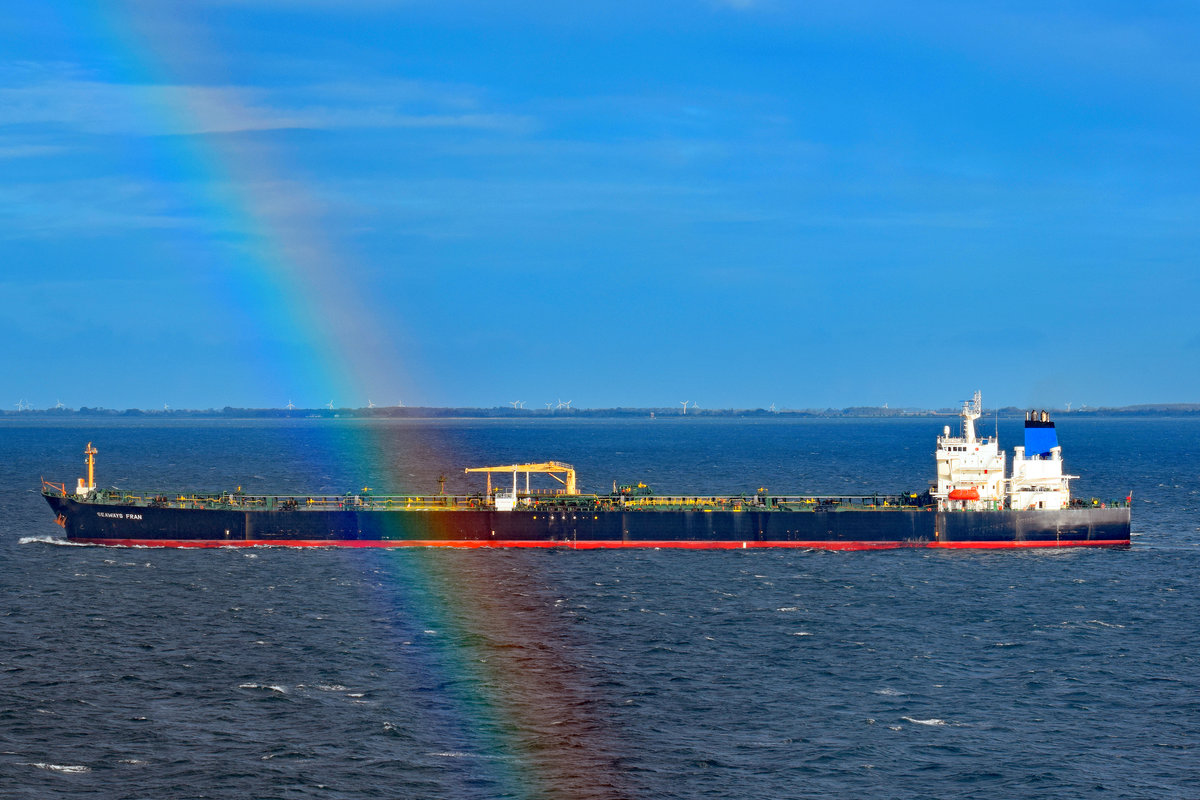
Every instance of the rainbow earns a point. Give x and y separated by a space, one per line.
502 693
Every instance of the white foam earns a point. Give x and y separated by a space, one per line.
889 692
934 721
66 769
788 608
51 540
269 687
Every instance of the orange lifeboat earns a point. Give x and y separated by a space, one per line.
964 494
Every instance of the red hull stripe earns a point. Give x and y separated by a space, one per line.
594 545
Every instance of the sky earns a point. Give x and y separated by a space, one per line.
812 204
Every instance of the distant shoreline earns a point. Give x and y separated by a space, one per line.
422 412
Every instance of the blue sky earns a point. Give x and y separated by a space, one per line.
738 203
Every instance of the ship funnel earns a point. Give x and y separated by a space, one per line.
1040 436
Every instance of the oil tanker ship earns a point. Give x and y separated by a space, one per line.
975 502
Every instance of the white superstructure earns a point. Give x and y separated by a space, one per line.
1037 479
971 470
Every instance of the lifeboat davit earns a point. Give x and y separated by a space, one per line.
964 494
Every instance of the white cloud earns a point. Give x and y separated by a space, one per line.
29 150
113 108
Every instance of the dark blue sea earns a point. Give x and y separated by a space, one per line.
337 673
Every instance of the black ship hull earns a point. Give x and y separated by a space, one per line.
115 524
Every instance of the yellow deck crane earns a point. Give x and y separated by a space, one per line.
551 468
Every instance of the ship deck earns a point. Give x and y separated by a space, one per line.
366 501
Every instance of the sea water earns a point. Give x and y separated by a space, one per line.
323 673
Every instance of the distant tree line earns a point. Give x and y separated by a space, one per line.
506 412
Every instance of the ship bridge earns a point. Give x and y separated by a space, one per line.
970 469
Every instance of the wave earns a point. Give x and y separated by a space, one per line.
484 756
52 540
269 687
65 769
60 542
933 721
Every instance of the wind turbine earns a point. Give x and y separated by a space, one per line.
59 404
1068 408
329 405
290 406
566 405
548 405
516 403
772 409
369 403
685 405
166 407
